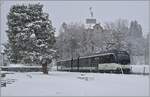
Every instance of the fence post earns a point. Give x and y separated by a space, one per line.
131 69
144 70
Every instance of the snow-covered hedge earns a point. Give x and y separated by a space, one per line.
20 66
143 69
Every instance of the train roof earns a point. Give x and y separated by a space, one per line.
100 54
90 56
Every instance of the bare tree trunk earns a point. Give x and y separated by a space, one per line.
44 68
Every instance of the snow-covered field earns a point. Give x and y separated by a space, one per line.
75 84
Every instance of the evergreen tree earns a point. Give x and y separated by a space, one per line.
30 34
136 39
135 29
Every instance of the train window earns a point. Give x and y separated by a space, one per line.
84 62
106 59
112 58
95 59
74 63
122 55
123 58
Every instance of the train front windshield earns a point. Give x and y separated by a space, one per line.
123 58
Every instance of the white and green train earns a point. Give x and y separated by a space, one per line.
112 61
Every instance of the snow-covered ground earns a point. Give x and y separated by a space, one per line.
75 84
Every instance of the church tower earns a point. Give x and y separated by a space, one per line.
90 22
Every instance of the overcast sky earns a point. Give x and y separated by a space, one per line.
78 11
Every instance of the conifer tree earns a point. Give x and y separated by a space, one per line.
30 34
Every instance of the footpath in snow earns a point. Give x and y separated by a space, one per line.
75 84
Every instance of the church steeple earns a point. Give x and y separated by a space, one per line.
91 12
90 21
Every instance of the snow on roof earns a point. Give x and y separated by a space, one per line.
90 56
15 65
52 50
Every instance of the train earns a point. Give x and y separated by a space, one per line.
109 62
